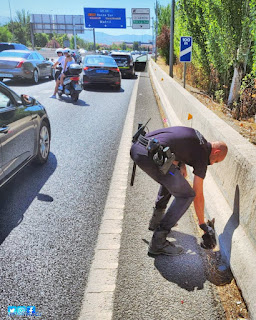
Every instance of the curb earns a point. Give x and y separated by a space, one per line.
242 257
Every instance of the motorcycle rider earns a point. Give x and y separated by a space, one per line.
68 61
61 58
60 61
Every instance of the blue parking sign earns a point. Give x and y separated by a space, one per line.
185 49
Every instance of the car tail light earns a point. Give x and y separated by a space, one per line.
19 65
88 68
115 69
74 78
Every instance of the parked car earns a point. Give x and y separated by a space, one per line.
24 64
99 69
12 46
125 63
25 133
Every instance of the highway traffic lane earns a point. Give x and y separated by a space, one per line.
55 211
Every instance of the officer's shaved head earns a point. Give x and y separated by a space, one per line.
219 151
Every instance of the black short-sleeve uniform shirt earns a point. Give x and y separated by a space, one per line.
188 145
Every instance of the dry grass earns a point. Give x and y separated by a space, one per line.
247 128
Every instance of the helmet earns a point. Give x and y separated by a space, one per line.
59 50
66 50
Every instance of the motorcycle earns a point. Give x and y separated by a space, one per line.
72 84
58 71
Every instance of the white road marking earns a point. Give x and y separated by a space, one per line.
99 293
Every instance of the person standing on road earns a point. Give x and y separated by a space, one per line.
191 148
61 62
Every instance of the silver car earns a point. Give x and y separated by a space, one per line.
24 64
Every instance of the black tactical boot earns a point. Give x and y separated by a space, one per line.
159 245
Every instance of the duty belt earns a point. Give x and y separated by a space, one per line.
142 140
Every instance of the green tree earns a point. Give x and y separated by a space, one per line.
135 45
21 27
123 46
5 34
222 37
79 42
41 39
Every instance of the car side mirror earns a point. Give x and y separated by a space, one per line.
27 100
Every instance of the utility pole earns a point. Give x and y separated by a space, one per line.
156 11
11 20
74 36
94 41
32 36
152 33
171 56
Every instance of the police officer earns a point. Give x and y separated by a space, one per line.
191 148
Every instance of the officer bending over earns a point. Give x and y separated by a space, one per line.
191 148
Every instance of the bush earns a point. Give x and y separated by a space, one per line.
219 96
248 96
163 42
246 108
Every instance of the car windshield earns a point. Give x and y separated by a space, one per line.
100 61
143 58
14 54
121 59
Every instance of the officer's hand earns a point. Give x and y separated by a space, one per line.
208 239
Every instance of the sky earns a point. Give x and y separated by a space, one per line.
76 8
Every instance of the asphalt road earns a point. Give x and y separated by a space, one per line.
50 215
172 288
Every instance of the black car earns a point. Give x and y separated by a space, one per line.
125 63
12 46
24 133
100 69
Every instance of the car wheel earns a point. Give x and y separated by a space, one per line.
35 78
52 75
43 144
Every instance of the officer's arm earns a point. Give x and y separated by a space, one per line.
199 198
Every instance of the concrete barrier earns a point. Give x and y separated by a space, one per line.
229 187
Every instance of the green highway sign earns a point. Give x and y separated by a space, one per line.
141 21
